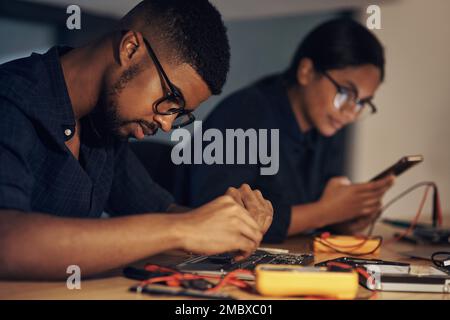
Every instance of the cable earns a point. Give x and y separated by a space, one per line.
361 271
437 220
428 184
177 278
414 222
338 248
441 263
437 206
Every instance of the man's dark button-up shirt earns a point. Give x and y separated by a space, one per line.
38 173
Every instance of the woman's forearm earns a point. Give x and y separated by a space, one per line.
305 217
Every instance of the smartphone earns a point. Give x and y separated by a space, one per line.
401 166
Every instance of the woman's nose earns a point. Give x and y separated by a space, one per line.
350 113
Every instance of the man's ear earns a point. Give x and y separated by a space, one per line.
131 48
305 71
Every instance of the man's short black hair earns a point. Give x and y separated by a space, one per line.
193 30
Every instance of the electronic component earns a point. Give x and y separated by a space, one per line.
432 235
224 263
285 281
418 279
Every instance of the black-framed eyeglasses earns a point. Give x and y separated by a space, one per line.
173 101
347 99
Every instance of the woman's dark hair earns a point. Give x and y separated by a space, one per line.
338 44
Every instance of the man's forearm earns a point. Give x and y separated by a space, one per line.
38 246
175 208
306 217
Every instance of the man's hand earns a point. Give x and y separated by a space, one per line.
343 201
219 226
260 209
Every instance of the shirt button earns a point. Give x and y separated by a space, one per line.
68 132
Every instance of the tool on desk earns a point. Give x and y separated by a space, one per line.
222 264
358 262
369 265
441 260
174 282
418 279
424 252
403 224
274 250
432 235
285 281
172 291
397 276
143 274
406 238
167 276
351 245
439 256
422 233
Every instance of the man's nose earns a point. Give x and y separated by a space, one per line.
165 121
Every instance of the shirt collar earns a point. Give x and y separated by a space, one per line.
280 99
61 111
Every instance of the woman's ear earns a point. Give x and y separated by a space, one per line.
305 72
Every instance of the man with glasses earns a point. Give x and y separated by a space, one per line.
330 84
65 117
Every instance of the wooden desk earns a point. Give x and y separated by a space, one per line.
116 287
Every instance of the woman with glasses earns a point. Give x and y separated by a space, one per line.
330 84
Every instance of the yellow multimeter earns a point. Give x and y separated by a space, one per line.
288 281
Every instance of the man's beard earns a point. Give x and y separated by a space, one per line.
111 120
112 123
